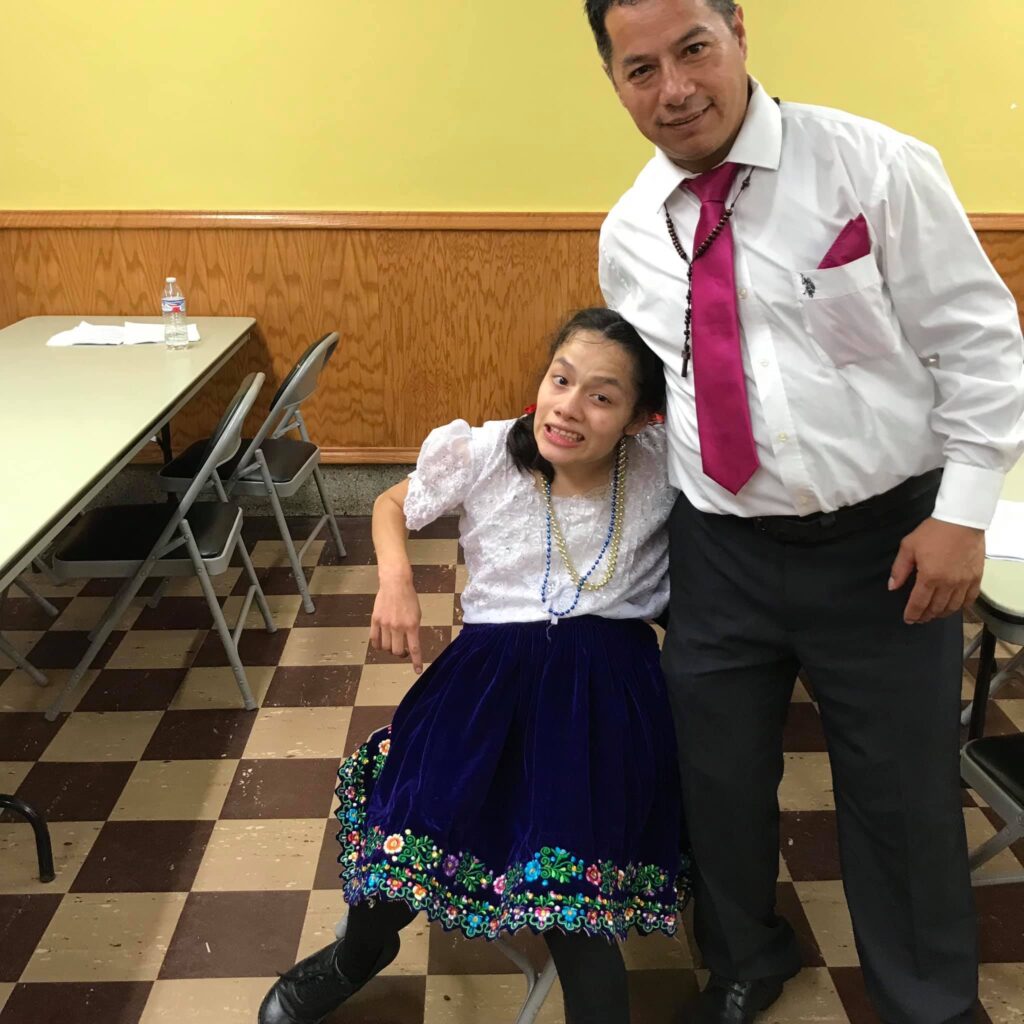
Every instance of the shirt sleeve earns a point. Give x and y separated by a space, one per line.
443 475
609 274
963 323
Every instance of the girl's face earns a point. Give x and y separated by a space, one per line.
586 403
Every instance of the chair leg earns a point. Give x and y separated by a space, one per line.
23 663
218 618
286 537
158 594
44 849
255 589
47 607
994 846
332 522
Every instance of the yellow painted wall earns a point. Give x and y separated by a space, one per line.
445 104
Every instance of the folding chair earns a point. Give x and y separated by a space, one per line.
7 649
273 465
993 766
136 541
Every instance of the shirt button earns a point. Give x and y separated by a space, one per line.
783 438
743 293
765 363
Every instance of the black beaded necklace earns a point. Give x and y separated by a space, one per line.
697 253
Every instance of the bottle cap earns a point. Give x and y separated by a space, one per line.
169 279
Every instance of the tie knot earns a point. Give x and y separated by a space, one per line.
713 186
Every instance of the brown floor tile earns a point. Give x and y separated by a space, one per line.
667 996
23 613
144 856
849 983
25 735
236 935
433 640
203 734
23 921
386 1000
433 579
1000 913
130 689
288 788
341 610
358 551
788 904
809 845
255 647
452 953
64 649
366 720
74 791
445 528
804 732
110 1002
108 586
327 868
176 613
277 579
313 686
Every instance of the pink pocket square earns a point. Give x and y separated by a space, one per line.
853 243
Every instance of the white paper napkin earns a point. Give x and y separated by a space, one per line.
114 334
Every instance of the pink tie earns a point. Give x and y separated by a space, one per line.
727 449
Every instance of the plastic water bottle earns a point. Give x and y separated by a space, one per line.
172 306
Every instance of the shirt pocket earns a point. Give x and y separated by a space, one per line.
846 312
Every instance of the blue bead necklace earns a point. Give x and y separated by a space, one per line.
554 538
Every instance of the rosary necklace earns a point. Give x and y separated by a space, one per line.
697 253
610 547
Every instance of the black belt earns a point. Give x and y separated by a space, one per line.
824 527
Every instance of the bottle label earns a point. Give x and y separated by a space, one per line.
175 304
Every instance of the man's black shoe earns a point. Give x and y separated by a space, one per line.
737 1002
315 987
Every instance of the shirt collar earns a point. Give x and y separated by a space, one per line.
759 144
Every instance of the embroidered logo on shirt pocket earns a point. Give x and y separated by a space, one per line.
845 312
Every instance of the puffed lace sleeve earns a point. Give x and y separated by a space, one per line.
443 474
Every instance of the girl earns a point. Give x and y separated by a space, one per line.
529 777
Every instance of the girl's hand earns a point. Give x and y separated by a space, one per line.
395 623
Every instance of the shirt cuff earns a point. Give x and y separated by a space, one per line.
968 495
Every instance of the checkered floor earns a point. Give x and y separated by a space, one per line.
194 845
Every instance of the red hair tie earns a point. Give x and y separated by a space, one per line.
530 409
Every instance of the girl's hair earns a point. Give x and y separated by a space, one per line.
648 377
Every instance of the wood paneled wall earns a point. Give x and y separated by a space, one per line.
441 315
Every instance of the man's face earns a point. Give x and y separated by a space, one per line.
680 70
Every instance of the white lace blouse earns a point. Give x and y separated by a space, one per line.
468 470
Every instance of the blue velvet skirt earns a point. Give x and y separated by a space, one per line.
529 779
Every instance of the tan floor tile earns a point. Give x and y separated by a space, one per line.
384 685
267 553
322 916
84 613
217 688
206 1001
800 694
461 578
433 552
1013 709
657 952
1001 989
42 585
980 829
19 869
22 640
807 784
284 609
458 999
437 609
98 736
784 875
189 586
106 937
5 991
810 996
12 774
456 630
175 791
344 579
825 906
330 645
157 648
18 692
298 732
259 855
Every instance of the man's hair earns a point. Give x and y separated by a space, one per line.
597 11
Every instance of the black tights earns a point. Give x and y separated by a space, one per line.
590 969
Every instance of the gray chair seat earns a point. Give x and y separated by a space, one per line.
1001 758
286 457
117 539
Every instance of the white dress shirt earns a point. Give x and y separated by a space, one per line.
502 521
858 376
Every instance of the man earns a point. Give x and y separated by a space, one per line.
844 371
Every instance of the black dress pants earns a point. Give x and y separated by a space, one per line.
748 611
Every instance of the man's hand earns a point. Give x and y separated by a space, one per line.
395 623
949 560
